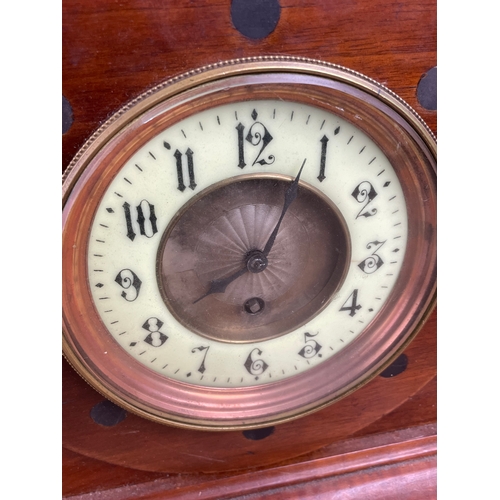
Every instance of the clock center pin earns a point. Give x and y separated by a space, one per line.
256 261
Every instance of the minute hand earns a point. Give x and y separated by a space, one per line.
290 195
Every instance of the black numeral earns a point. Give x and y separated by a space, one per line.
241 147
324 144
351 304
155 337
146 219
205 348
365 193
373 262
129 281
190 167
255 366
258 135
322 162
311 348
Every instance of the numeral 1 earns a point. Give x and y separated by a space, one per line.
322 162
324 143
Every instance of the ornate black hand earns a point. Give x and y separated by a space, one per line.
290 195
219 285
256 261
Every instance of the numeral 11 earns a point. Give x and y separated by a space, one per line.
190 165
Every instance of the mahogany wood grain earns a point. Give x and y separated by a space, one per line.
112 52
84 475
139 444
374 465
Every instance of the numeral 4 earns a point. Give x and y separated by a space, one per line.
351 304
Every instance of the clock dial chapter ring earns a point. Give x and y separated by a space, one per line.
95 346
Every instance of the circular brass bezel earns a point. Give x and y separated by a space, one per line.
197 320
391 123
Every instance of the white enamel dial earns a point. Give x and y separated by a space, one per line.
200 155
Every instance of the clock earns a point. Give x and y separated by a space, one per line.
248 243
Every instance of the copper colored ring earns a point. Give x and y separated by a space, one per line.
393 125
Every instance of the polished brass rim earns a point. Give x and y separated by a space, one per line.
84 338
243 66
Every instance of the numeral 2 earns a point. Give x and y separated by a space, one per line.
365 193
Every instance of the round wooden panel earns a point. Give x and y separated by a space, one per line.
139 444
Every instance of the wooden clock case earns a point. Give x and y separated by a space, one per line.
379 442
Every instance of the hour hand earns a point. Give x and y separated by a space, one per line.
255 262
219 285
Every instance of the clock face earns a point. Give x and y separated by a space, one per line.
193 203
245 250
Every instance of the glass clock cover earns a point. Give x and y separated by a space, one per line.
248 243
